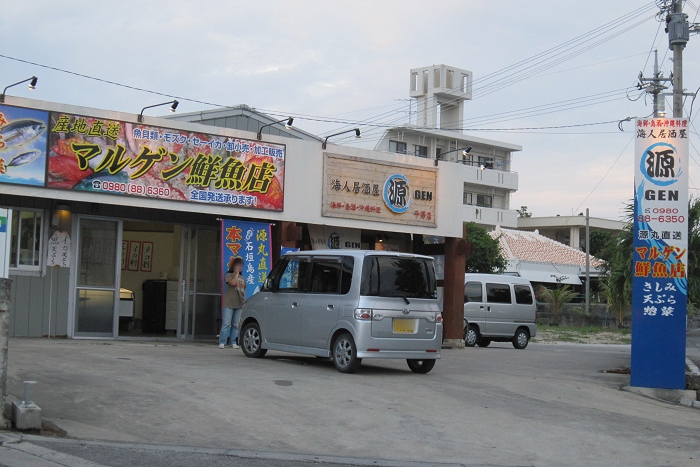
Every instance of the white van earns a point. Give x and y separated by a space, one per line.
498 308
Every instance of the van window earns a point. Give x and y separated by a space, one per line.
473 292
292 278
523 294
392 276
325 277
346 278
498 293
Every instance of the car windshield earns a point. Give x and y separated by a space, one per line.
396 276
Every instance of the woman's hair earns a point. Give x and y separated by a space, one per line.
232 265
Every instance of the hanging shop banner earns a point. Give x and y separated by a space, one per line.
251 241
23 145
334 238
107 156
356 188
59 250
659 285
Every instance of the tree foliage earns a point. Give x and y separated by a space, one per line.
523 212
486 256
557 297
617 273
601 243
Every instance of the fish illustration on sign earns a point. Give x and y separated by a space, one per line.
21 132
24 158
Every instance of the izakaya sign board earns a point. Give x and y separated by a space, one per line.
660 285
108 156
334 238
356 188
252 242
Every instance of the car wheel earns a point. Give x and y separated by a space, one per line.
252 341
471 336
421 366
521 338
483 342
345 354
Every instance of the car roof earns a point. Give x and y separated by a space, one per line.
355 253
498 278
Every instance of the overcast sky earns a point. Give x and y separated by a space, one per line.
351 60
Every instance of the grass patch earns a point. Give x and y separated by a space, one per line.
583 335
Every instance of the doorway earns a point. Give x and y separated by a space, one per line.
138 279
200 283
97 279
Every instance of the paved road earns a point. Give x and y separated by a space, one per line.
547 405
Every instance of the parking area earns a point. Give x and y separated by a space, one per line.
546 405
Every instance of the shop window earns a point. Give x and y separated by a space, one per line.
421 151
26 239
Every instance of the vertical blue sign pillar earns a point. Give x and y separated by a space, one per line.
252 242
659 282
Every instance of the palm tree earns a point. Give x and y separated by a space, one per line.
557 297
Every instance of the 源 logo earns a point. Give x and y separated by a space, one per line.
334 241
397 193
661 164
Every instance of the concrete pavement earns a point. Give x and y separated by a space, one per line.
546 405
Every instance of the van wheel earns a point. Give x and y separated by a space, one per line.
420 366
251 343
521 338
471 336
482 342
345 354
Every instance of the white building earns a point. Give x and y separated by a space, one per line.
440 92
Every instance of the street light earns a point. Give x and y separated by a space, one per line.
356 130
174 105
32 86
287 125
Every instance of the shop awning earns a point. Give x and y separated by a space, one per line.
550 276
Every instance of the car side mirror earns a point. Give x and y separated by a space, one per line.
269 284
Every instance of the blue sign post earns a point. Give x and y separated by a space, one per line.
659 282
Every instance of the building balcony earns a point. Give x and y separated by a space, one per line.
490 216
474 174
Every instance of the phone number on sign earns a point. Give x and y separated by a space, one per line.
662 219
130 188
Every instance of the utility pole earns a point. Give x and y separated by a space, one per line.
588 262
655 87
678 35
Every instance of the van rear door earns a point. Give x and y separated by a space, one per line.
402 294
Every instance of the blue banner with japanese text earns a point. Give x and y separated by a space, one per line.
250 241
659 254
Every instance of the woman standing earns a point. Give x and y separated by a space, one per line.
234 298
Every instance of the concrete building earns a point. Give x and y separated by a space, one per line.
116 224
487 180
569 230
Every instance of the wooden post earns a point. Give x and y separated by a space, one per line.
456 250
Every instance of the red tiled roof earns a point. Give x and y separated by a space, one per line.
531 246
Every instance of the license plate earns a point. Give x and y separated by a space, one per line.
405 326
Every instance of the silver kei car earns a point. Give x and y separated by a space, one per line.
347 305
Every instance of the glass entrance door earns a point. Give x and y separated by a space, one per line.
200 283
97 277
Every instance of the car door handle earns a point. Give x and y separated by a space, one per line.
294 304
329 307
